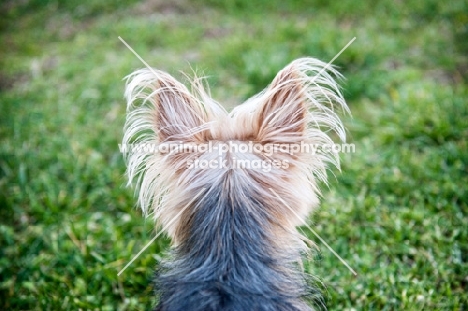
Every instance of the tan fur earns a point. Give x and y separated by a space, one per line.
299 106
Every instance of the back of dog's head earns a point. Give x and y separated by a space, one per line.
230 188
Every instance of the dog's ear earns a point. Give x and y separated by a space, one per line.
282 114
179 116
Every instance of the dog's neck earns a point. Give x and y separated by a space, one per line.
229 260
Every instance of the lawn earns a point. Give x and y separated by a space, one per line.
397 211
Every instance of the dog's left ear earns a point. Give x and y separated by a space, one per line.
179 116
282 115
168 108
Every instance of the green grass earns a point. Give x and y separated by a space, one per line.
397 212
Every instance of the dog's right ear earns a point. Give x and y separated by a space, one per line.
282 114
177 115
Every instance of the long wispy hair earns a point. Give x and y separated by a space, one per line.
233 229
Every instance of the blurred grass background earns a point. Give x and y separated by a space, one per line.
397 213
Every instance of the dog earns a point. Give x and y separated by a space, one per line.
230 189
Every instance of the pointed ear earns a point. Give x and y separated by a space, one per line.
282 113
179 116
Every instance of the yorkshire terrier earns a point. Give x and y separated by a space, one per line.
230 189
